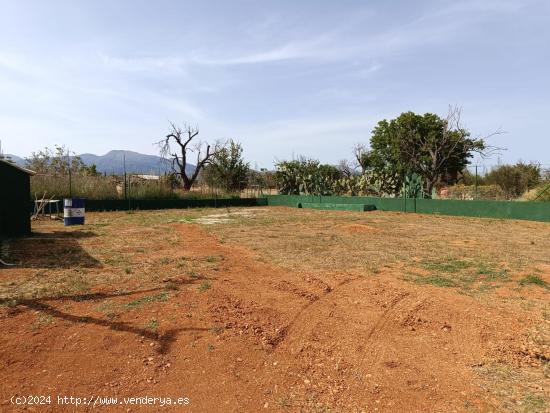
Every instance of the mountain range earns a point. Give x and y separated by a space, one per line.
113 163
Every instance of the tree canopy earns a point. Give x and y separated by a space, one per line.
434 148
228 168
58 161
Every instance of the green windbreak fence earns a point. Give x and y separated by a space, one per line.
382 204
111 205
124 205
336 207
534 211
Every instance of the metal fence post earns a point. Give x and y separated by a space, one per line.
475 185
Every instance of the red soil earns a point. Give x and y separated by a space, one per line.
262 339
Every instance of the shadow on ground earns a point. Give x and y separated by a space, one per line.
57 249
42 305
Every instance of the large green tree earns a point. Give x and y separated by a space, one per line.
228 168
435 148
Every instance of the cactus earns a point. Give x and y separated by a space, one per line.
309 177
412 186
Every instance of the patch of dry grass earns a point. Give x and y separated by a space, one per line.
112 249
517 389
138 248
300 239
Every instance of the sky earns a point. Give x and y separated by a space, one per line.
284 78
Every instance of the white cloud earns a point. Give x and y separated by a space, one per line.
338 43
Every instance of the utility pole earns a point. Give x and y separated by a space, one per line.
124 171
475 184
126 185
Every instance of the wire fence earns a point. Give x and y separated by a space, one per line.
162 185
485 169
134 186
483 185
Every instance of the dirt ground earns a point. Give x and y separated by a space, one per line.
278 309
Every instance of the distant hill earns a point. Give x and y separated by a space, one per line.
113 163
19 161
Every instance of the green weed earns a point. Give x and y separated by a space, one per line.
491 273
533 403
534 280
153 325
437 281
204 286
450 265
147 299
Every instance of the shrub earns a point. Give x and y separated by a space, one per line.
469 192
516 179
540 193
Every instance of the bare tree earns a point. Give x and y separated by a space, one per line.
346 168
360 152
183 140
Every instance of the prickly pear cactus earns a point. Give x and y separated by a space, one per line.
413 186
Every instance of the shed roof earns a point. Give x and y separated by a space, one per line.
28 171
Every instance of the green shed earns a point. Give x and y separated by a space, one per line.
15 195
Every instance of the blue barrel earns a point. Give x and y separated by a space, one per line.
73 211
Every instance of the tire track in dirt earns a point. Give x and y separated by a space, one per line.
252 303
300 314
383 319
374 370
351 343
